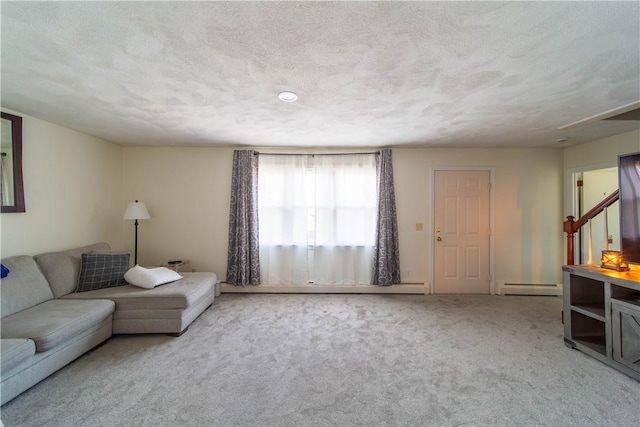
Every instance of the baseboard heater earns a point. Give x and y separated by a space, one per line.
403 288
542 289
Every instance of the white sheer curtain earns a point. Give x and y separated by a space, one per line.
283 217
345 218
317 218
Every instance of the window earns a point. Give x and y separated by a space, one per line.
317 218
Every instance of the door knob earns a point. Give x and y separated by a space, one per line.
439 239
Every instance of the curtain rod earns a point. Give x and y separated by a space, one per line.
256 153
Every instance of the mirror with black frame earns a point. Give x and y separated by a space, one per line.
11 187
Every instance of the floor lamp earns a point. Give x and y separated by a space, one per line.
136 210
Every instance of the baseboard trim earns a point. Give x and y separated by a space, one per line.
542 289
403 288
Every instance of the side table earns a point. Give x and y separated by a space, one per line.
177 265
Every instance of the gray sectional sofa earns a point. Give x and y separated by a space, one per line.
46 324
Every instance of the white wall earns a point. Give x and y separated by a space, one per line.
187 193
73 191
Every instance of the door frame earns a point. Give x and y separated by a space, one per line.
431 234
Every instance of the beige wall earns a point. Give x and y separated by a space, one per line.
187 193
527 216
594 155
601 153
73 191
77 188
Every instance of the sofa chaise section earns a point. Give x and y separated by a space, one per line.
167 309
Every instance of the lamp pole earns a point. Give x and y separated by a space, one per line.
136 210
135 253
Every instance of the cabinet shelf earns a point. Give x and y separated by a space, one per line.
595 311
629 303
589 331
595 343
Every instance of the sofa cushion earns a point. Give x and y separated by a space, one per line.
175 295
102 270
53 322
15 351
24 287
62 268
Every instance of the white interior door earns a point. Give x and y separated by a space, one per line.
462 231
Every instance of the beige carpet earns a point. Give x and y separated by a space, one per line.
341 360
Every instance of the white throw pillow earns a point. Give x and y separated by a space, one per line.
149 278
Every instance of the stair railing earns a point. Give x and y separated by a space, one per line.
571 226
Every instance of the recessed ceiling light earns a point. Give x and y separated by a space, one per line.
563 139
287 96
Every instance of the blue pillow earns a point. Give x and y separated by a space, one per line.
5 271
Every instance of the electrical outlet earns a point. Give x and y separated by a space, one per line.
419 226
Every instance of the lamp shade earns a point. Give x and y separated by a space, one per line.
136 210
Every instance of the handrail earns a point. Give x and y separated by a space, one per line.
571 227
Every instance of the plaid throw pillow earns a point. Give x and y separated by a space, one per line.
102 270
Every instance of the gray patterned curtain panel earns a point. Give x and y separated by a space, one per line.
386 253
243 262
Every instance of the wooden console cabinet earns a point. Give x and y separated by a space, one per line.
601 314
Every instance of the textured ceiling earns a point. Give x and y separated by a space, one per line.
435 74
